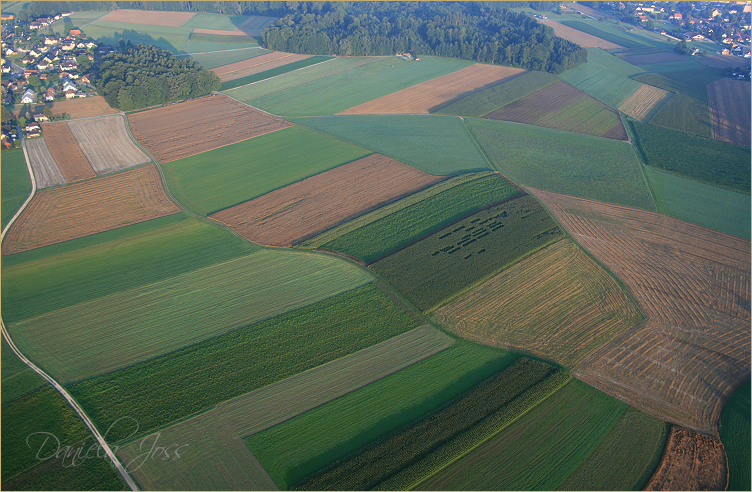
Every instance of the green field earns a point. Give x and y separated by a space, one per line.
248 169
447 432
452 260
699 203
677 66
604 77
341 84
734 429
710 161
273 72
138 324
607 33
693 83
202 43
398 228
18 379
193 379
300 446
630 453
215 21
579 165
173 39
181 244
685 114
483 102
540 449
79 19
15 183
215 59
432 143
29 462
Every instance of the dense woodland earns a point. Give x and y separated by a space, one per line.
144 76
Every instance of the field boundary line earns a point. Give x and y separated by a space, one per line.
220 51
640 155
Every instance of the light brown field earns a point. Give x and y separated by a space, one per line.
81 209
693 285
427 96
730 106
582 38
106 144
691 461
191 127
67 153
219 32
148 17
304 209
46 171
79 107
645 102
256 64
557 304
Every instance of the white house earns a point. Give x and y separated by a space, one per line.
29 97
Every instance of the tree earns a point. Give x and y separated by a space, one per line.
48 112
83 62
34 81
6 115
681 47
22 122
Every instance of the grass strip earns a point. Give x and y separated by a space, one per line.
266 74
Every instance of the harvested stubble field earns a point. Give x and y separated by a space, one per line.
645 102
563 107
149 17
558 304
68 155
191 127
46 171
90 207
651 58
256 64
425 97
106 144
582 38
691 461
80 108
693 284
730 109
289 215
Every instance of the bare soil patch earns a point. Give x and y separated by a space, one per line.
650 58
67 153
730 107
79 107
191 127
427 96
693 285
535 106
582 38
85 208
645 102
149 17
106 144
256 64
46 171
220 32
691 461
304 209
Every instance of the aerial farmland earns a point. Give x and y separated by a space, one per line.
360 247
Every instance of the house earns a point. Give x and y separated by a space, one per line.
35 25
68 65
36 51
34 133
27 59
86 79
68 45
74 32
9 51
40 117
6 141
29 73
50 94
726 51
29 96
70 94
6 17
68 85
643 18
698 37
50 40
44 64
675 16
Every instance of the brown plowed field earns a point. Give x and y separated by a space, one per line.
427 96
256 64
730 106
616 132
582 38
81 209
106 144
67 153
535 106
650 58
79 107
693 284
191 127
645 102
149 17
558 304
691 461
301 210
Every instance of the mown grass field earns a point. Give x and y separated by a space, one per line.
710 161
399 227
700 203
432 143
218 59
202 43
300 446
15 182
248 169
457 257
630 452
406 456
173 39
138 324
29 461
167 247
215 21
18 379
623 39
568 425
579 165
205 374
734 429
273 72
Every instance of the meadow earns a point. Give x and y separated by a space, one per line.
18 379
214 59
398 228
584 166
624 39
202 375
734 429
296 448
451 260
273 72
15 182
138 324
173 39
63 275
434 144
248 169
